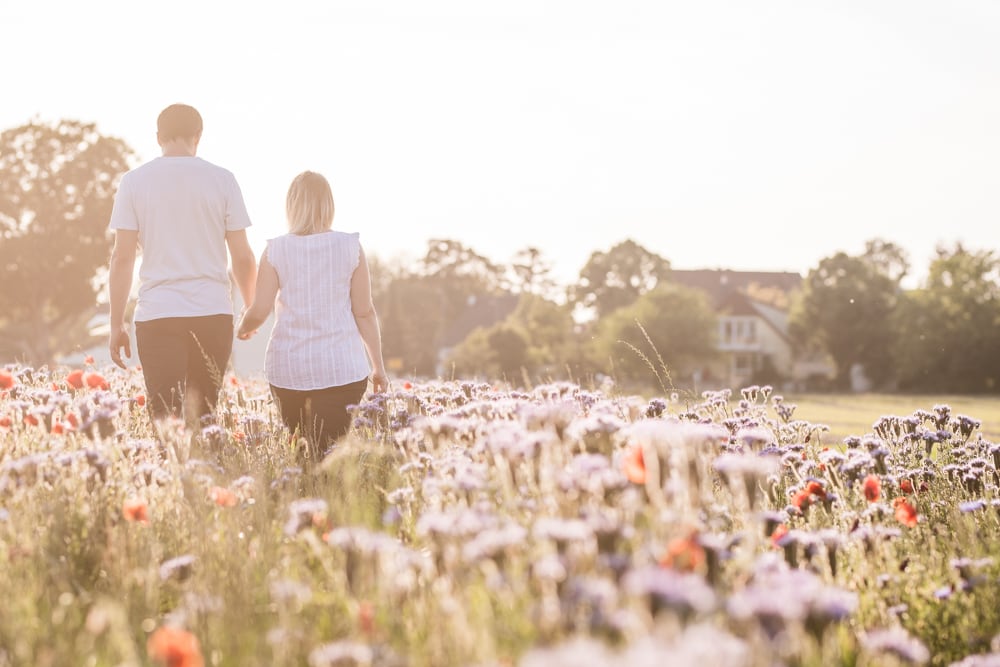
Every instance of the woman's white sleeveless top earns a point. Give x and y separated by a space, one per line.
315 341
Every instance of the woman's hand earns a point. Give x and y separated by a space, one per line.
243 332
380 382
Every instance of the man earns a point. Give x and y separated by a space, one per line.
183 212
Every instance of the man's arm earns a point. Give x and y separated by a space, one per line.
119 285
244 264
265 293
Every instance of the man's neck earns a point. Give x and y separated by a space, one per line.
179 148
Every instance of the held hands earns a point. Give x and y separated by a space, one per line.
118 341
243 332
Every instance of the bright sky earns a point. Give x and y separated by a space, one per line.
718 133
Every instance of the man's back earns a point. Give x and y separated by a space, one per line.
182 207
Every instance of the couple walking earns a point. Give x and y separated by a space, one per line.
184 212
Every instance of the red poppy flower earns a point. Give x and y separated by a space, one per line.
816 488
366 617
31 420
174 647
407 385
95 381
135 509
75 378
6 379
906 514
72 419
779 531
222 496
140 400
684 554
802 499
634 466
89 360
905 485
58 428
5 422
872 488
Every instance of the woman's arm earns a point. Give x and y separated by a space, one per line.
263 300
363 309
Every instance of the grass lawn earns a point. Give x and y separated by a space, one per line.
854 414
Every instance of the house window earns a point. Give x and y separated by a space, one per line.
738 331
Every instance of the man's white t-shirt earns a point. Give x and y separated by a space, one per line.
182 208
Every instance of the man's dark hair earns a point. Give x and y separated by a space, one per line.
178 121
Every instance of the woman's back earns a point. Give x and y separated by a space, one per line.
315 341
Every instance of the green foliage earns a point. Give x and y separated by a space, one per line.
57 184
536 341
616 278
948 328
846 308
671 322
418 306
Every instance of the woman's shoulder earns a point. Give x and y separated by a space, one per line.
345 236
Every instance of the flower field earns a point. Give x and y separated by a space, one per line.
465 524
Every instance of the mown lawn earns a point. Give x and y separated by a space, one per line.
854 414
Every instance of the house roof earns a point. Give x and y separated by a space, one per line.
720 284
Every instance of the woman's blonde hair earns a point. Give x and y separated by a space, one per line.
309 205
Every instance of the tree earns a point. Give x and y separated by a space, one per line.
948 340
845 308
532 272
417 306
537 339
57 185
616 278
455 264
681 327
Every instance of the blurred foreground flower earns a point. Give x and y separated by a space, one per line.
633 465
906 514
174 647
75 379
872 488
222 496
897 642
96 381
136 509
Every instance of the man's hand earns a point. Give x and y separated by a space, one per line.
120 340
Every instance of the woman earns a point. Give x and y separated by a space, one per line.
326 335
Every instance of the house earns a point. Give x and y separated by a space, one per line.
752 337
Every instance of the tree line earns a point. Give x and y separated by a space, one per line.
456 313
